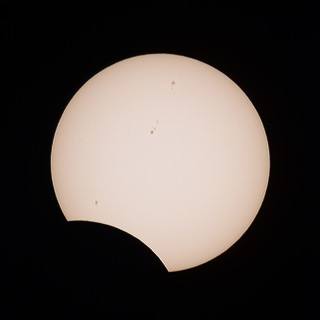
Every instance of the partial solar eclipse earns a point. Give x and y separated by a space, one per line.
167 149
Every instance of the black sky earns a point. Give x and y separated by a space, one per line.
51 266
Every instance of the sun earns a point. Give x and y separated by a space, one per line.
167 149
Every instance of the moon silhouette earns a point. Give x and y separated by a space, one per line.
167 149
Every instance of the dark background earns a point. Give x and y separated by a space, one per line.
54 267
